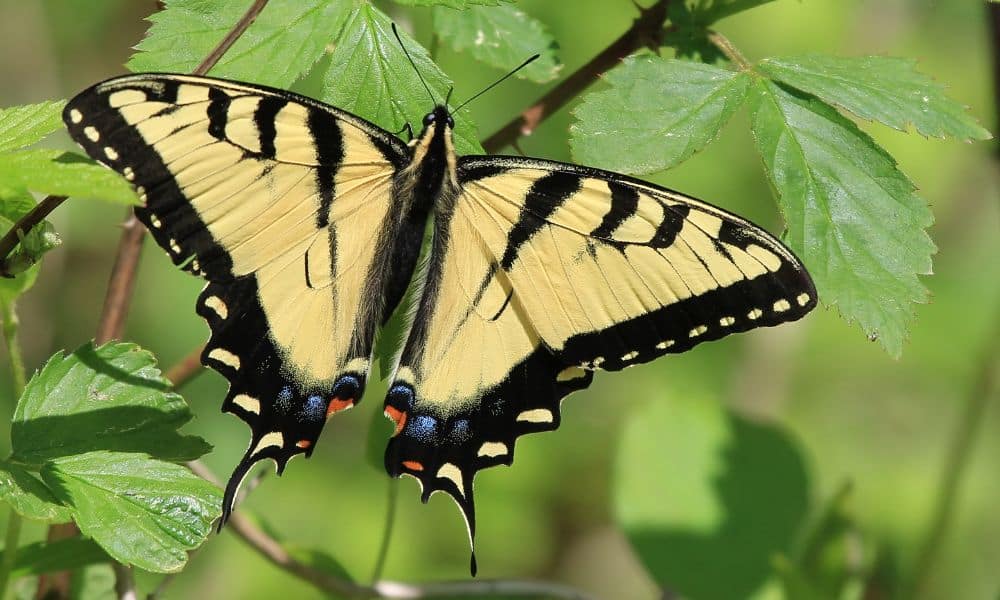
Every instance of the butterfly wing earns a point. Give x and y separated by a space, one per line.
282 204
543 272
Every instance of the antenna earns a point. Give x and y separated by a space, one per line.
415 69
497 82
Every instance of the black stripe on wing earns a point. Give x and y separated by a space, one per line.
105 136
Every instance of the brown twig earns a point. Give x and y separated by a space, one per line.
645 31
120 286
275 553
185 370
34 216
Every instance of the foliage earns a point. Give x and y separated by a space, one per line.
99 427
715 505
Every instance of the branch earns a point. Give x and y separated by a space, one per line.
645 31
119 294
275 553
185 370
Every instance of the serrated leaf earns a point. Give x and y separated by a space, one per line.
370 76
656 114
24 125
283 42
27 495
852 216
61 555
701 13
502 37
107 398
143 512
884 88
63 174
699 491
453 3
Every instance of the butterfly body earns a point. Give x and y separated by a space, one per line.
307 222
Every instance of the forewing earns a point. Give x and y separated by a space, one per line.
281 203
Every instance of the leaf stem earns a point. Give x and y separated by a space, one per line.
646 30
186 370
957 463
726 47
34 216
11 539
390 521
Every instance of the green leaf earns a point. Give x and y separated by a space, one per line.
452 3
22 261
701 13
852 216
27 495
24 125
62 555
284 41
700 492
501 37
63 174
656 114
370 76
142 511
108 398
884 88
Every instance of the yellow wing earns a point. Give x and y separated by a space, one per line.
543 272
282 204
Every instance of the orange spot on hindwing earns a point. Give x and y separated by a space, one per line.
338 404
303 444
413 465
398 417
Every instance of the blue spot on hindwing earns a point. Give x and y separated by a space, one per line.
422 428
460 431
314 409
284 400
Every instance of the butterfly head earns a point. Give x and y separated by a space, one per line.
439 118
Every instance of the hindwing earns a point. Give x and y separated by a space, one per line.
542 272
284 205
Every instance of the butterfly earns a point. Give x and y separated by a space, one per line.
307 223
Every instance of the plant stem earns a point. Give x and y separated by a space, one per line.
390 521
957 463
11 541
186 370
12 538
645 31
726 47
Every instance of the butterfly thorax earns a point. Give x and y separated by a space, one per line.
430 176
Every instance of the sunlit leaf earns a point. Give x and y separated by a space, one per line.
63 174
656 114
705 12
282 43
502 37
24 125
884 88
142 511
370 76
852 216
107 398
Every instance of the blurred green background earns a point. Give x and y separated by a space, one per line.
757 431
